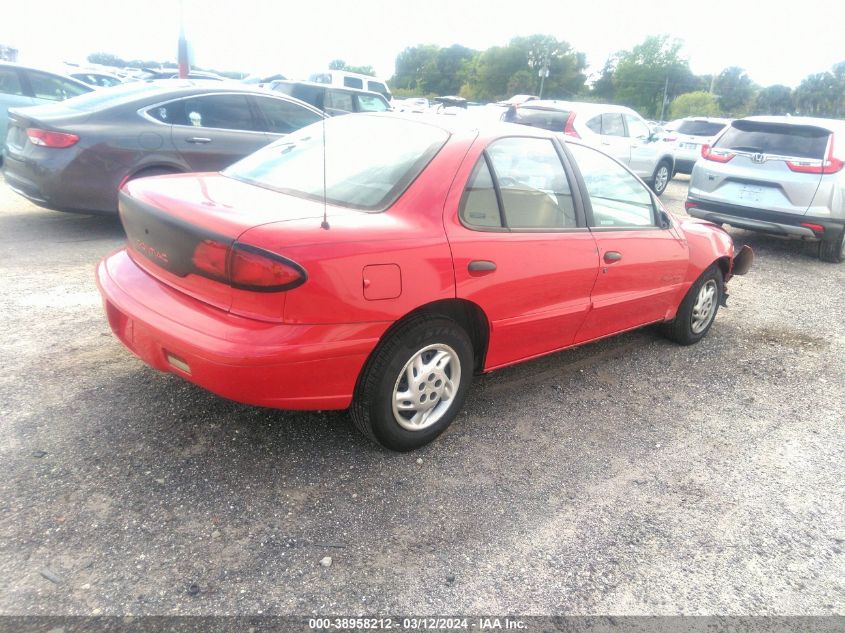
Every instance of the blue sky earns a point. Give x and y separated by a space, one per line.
774 42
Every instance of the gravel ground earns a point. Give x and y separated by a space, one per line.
630 476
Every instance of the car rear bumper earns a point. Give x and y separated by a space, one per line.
773 222
55 182
266 364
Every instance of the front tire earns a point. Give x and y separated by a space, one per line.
414 384
662 176
833 251
698 309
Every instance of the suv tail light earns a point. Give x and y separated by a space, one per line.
717 155
829 165
569 128
46 138
247 267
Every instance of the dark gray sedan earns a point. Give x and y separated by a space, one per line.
76 155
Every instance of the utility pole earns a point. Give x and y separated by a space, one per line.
544 72
665 91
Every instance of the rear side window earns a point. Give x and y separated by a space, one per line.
10 83
700 128
534 190
369 103
283 117
353 82
54 88
618 199
553 120
314 95
798 141
480 208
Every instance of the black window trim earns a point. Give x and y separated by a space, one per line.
580 215
588 205
261 118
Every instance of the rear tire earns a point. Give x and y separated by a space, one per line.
662 176
698 309
414 384
833 251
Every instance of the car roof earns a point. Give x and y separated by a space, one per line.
707 119
317 84
585 107
43 70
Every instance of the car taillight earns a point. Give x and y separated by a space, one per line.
817 228
690 205
569 128
46 138
717 155
829 165
247 267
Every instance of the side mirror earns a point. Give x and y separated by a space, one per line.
664 219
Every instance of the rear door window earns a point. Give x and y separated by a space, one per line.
224 112
353 82
779 139
284 117
611 124
534 190
480 207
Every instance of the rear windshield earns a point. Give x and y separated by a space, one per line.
369 160
700 128
800 141
554 120
110 96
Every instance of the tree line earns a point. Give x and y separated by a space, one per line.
652 77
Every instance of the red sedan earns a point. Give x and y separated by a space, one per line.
380 270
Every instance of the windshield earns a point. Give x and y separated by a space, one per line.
369 160
110 96
700 128
799 141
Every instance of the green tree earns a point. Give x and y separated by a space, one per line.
699 103
735 91
413 66
819 94
339 64
107 59
776 99
603 89
649 69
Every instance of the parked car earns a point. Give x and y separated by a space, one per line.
96 78
332 100
75 156
431 251
357 81
688 137
24 86
615 130
781 175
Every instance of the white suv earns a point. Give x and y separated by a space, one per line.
616 130
688 137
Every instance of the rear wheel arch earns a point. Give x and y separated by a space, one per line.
155 169
466 314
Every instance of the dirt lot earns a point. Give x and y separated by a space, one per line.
631 476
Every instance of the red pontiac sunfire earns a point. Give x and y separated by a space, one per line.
381 270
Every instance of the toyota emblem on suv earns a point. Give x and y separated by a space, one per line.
758 158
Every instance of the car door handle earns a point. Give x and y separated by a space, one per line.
481 266
612 256
198 139
605 142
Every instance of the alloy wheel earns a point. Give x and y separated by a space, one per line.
425 388
705 305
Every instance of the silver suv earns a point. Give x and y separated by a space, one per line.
615 130
778 175
688 137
